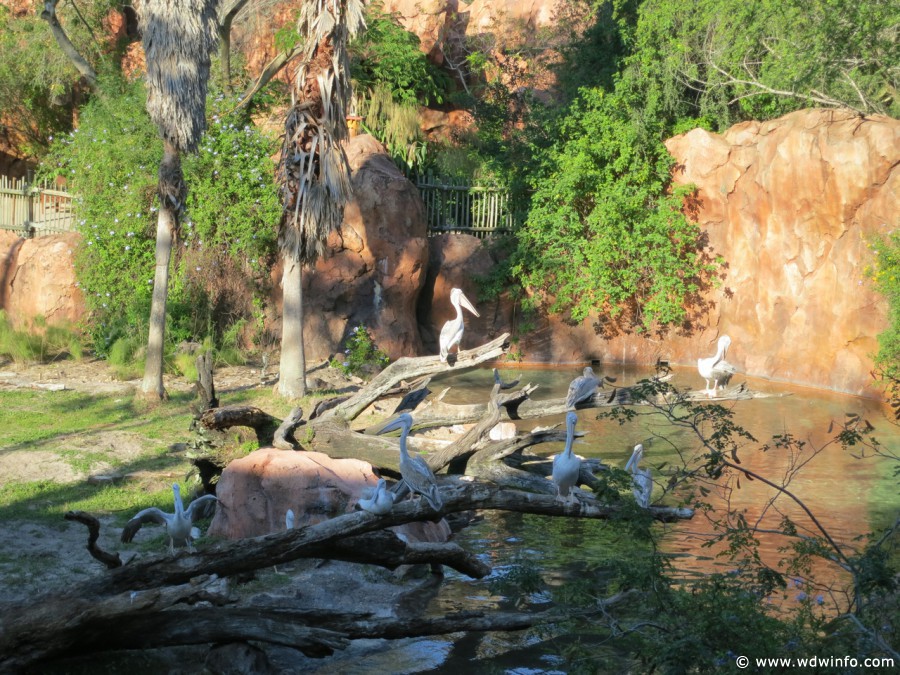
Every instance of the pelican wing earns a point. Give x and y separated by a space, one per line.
643 487
420 479
581 388
200 508
451 335
151 515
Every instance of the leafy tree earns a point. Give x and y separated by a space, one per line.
388 55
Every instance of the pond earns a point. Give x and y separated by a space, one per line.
849 496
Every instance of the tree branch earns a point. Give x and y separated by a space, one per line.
65 44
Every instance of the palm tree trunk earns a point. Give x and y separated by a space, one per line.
153 368
292 369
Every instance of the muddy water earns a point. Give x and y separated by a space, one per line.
849 496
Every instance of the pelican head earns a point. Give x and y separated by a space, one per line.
403 422
636 458
458 298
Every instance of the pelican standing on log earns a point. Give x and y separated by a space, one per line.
416 474
452 332
566 465
582 388
179 525
643 481
716 369
380 502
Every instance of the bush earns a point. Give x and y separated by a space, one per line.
886 275
227 237
362 357
38 343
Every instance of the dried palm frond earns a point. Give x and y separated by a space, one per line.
313 171
179 37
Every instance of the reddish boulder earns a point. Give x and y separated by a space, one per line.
256 491
37 277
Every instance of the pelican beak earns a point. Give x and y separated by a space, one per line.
464 301
393 425
630 461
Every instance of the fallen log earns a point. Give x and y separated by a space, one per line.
411 368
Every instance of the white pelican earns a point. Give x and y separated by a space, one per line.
380 502
289 519
716 368
416 474
566 466
643 481
582 388
178 524
452 332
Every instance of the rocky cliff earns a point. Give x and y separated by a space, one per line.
790 204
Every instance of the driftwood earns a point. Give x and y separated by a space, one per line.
283 438
410 368
206 388
100 612
220 419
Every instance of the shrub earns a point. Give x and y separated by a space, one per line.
362 357
886 275
227 236
39 342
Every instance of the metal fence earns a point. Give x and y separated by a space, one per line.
34 209
452 206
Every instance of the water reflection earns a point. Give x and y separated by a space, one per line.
849 496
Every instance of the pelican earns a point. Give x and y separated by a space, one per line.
566 466
178 524
416 474
452 332
643 481
716 368
289 519
582 388
380 502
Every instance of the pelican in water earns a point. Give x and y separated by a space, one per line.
582 388
716 369
643 481
416 474
380 502
179 525
452 332
566 466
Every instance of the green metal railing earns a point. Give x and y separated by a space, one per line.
34 209
458 207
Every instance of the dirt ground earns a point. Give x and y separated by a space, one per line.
36 557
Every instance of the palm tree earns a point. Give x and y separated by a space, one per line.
178 36
313 171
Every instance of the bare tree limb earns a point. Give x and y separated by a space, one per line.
65 44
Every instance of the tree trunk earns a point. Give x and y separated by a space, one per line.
292 370
153 368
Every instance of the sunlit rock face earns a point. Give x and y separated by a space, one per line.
37 278
375 265
256 491
791 205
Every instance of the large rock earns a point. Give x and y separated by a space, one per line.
256 491
37 278
376 263
791 205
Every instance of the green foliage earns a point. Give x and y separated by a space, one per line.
389 55
602 205
396 125
39 342
228 231
886 275
38 84
362 357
